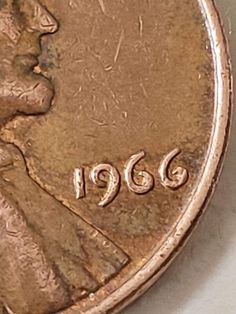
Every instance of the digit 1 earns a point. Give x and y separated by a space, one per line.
79 183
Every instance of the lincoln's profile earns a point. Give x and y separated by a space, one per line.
49 257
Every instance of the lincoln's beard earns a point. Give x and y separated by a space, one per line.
24 93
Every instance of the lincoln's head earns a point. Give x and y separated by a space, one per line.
22 23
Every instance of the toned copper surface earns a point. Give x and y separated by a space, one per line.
114 120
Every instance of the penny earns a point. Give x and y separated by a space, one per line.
114 123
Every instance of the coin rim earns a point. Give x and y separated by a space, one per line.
152 270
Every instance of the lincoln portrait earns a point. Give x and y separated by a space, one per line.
49 257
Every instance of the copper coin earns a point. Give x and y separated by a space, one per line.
114 122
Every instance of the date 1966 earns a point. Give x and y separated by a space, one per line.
138 182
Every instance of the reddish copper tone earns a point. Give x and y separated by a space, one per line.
114 122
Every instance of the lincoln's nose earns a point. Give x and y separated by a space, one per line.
43 21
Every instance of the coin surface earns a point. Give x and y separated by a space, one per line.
114 122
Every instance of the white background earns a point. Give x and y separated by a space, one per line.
202 279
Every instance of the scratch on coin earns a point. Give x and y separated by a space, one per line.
229 21
122 35
102 5
145 93
99 122
140 26
125 114
8 310
72 4
105 106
